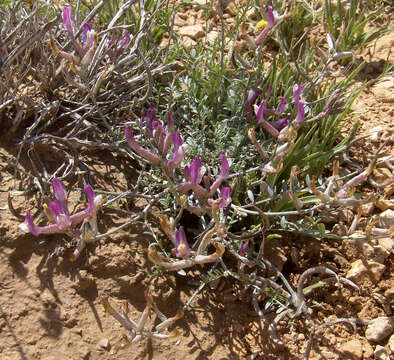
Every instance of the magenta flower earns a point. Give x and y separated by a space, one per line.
263 123
58 208
147 155
244 248
60 214
124 41
182 248
225 197
300 113
252 97
59 191
268 27
224 173
67 21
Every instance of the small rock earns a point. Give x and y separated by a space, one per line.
387 243
188 43
178 21
391 343
376 133
339 229
367 250
382 174
367 209
367 350
386 219
381 254
192 31
378 329
384 204
381 353
212 36
104 343
360 270
352 349
383 90
328 355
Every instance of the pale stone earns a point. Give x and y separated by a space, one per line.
384 204
381 254
376 133
367 350
381 353
391 343
188 43
178 21
213 35
192 31
378 329
360 270
386 219
384 90
382 174
352 349
367 209
104 343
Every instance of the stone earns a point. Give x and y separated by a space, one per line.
387 243
188 43
352 349
367 209
384 204
192 31
381 353
104 343
382 174
386 219
367 350
365 269
376 133
378 329
381 254
178 21
212 36
384 90
391 343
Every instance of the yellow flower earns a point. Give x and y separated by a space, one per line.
261 25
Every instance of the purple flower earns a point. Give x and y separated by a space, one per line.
300 113
194 172
58 208
31 227
60 192
263 123
124 41
268 27
224 173
179 152
60 214
68 25
85 29
252 96
297 92
147 155
225 197
244 248
182 248
67 21
281 123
